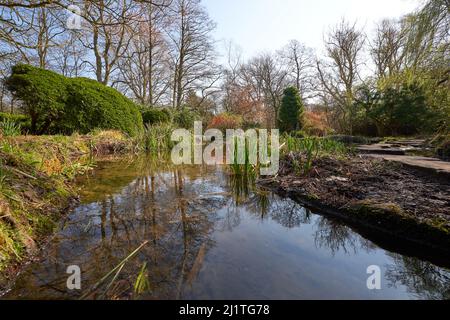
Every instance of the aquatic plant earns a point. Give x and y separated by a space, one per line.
246 168
311 148
141 284
10 128
156 138
113 272
322 145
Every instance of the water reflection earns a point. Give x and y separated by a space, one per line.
212 235
423 279
336 237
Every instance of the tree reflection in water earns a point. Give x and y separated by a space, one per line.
423 279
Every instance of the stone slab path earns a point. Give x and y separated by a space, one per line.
433 165
396 151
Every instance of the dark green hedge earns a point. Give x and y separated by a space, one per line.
57 104
153 116
183 118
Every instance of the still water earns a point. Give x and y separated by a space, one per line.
212 236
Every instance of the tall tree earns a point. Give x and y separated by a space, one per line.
30 34
388 48
106 30
192 49
267 77
339 73
144 68
300 62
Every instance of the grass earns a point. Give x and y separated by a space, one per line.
141 284
156 138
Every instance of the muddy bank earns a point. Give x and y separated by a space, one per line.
382 195
36 174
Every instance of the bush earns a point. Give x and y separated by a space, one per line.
56 104
225 121
396 107
315 123
185 118
152 116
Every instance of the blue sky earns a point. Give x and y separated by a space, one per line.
267 25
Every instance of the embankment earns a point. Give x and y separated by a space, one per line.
35 186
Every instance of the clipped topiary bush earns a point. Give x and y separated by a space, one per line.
92 105
57 104
153 116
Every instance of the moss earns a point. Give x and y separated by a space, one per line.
391 217
312 197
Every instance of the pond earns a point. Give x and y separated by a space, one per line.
208 235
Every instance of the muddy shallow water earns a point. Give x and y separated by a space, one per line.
211 236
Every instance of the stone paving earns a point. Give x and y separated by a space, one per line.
396 151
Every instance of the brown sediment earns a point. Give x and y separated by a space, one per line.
384 195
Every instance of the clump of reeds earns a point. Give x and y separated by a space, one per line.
312 148
9 128
156 138
246 168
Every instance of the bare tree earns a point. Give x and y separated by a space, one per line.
192 50
68 58
267 78
388 48
339 73
144 68
105 34
301 65
231 72
30 34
